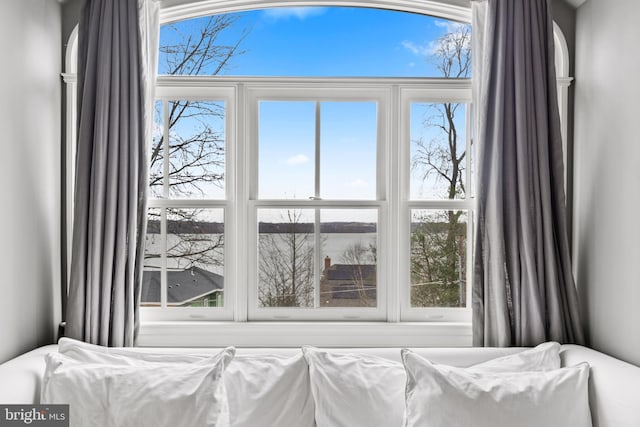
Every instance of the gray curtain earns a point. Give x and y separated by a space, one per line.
111 176
523 291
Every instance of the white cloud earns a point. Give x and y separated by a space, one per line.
412 64
421 50
430 47
298 159
359 183
300 13
450 26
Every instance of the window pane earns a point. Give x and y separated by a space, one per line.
348 257
286 150
286 258
151 275
196 149
438 151
438 258
156 152
316 41
348 150
195 257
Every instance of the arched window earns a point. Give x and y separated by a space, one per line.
313 163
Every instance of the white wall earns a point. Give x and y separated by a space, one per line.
29 173
607 174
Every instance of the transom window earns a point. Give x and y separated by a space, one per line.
311 42
311 163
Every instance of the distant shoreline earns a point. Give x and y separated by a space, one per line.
190 227
347 227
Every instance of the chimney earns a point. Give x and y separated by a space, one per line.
327 262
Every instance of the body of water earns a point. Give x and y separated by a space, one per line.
333 245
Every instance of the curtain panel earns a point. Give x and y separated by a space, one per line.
114 118
523 290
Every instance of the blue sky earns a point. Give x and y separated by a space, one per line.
347 150
324 41
327 41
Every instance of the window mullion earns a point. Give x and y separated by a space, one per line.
395 194
316 234
317 159
163 262
163 216
246 175
165 148
317 261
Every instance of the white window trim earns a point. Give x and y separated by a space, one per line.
392 332
167 93
384 91
393 301
176 10
296 334
322 90
409 95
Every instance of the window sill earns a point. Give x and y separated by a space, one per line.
296 334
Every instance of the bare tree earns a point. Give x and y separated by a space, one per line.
196 140
436 256
435 281
191 241
286 264
442 157
360 258
196 151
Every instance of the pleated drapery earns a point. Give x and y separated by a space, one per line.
523 290
109 220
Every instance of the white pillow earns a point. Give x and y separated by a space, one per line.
544 357
262 390
86 352
356 390
155 395
269 390
353 390
446 396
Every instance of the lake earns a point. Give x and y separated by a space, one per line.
334 246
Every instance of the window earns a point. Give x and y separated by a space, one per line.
190 187
316 201
311 163
329 189
440 189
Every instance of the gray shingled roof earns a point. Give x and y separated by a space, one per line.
182 285
346 271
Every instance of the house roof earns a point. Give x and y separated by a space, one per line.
346 271
182 285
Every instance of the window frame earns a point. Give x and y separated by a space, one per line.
320 90
227 94
442 92
393 97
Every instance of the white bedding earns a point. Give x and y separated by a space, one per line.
446 396
360 390
152 394
613 399
262 389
